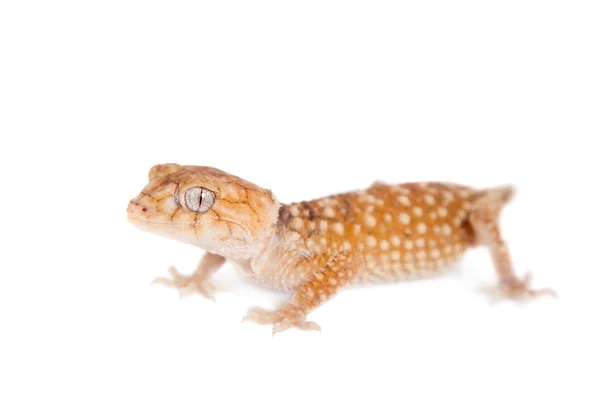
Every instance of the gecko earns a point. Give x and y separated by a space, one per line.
312 249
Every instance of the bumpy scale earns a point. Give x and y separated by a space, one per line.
314 248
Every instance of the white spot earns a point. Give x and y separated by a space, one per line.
338 228
435 253
347 245
297 223
404 218
420 242
370 220
429 199
395 255
421 228
356 229
410 268
323 225
387 217
395 240
432 216
384 245
408 245
446 230
371 241
323 241
421 255
404 200
442 211
328 212
418 211
294 211
464 193
448 196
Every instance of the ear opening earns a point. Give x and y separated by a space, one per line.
163 169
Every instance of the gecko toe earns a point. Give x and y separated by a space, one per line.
281 326
309 326
260 316
187 284
518 290
280 319
287 323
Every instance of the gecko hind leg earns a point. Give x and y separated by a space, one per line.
484 219
198 281
339 271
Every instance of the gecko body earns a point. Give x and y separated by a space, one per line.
314 248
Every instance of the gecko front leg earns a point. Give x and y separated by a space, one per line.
198 281
339 271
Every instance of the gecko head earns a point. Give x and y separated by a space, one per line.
207 207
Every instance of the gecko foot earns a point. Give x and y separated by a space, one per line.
280 319
516 289
188 284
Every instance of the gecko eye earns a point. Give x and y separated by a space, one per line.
199 199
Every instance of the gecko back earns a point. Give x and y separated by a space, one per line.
401 231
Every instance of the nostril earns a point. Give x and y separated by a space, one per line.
136 208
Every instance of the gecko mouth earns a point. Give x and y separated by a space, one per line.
170 223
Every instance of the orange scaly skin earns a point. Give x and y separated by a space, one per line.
314 248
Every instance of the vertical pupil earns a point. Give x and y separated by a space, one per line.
200 197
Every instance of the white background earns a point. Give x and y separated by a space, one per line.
308 99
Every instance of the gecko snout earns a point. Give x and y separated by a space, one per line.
137 210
